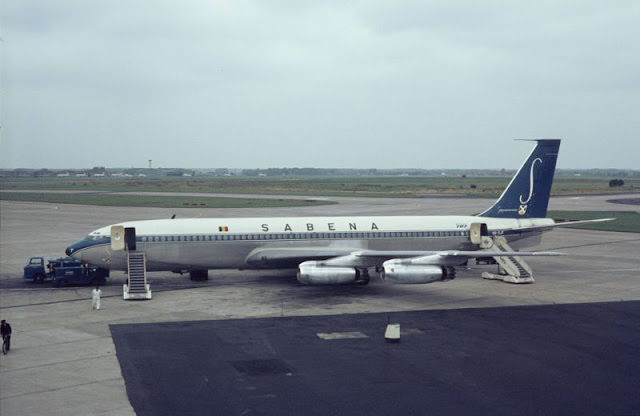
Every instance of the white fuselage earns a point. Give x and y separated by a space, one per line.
237 243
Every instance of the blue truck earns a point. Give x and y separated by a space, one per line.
64 271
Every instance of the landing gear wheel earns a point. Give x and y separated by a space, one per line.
362 276
199 275
449 273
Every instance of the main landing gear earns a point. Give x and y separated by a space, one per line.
362 276
199 275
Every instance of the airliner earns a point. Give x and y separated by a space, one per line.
340 250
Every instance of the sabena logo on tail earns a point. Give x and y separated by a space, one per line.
524 203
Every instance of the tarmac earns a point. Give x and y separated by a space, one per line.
256 342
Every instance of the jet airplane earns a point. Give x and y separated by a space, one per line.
337 250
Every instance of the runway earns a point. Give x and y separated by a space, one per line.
64 359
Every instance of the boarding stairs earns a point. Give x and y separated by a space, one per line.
137 286
511 269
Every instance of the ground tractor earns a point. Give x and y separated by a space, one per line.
64 271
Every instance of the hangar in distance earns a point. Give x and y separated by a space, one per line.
337 250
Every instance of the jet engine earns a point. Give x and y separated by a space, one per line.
416 274
314 273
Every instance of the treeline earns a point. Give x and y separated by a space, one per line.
93 172
277 172
616 173
307 172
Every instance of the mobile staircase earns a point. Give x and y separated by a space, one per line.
137 286
511 269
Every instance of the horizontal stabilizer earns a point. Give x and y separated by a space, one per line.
566 224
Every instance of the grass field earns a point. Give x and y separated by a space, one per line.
117 200
365 186
625 221
100 191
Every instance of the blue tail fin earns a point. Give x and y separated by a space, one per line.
527 195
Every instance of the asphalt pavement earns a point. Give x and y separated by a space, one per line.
246 342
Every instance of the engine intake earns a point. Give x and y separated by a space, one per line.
313 273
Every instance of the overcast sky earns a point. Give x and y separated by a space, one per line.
291 83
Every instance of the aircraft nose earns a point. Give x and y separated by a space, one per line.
73 248
82 249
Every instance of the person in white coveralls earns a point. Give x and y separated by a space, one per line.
95 296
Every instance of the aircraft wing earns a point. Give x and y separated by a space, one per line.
357 258
368 258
